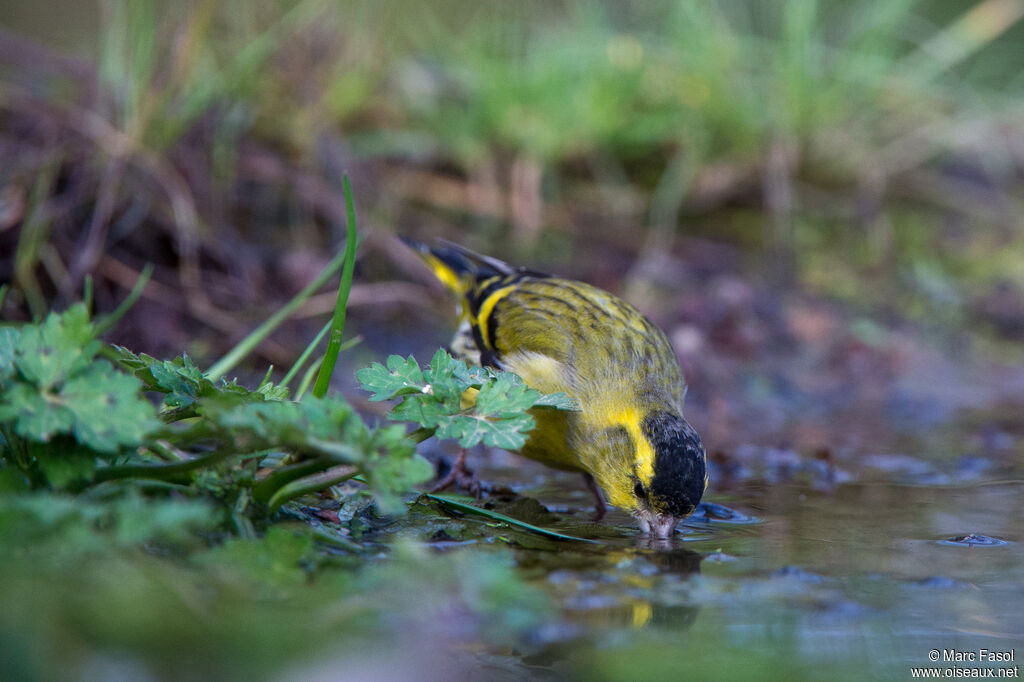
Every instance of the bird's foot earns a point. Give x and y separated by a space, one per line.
600 508
459 475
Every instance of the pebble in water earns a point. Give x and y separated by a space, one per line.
973 540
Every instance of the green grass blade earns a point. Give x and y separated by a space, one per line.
87 292
140 284
310 484
976 28
265 489
323 378
470 509
307 379
305 354
309 351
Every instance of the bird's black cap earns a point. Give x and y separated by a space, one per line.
679 466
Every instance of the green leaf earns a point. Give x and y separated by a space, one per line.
273 392
558 401
391 474
73 525
109 413
184 383
333 418
443 382
505 396
181 380
401 376
262 422
313 425
427 413
441 365
48 354
471 376
36 416
433 398
508 433
9 339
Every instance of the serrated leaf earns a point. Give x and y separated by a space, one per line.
510 433
129 359
180 377
504 396
473 375
470 430
495 414
271 392
109 413
443 385
400 377
35 417
50 353
423 412
558 401
441 364
184 383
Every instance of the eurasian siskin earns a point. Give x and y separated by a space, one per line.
561 335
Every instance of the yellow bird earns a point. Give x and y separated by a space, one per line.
561 335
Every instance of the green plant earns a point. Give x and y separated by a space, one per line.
450 400
64 410
72 420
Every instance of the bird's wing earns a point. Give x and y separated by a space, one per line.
562 335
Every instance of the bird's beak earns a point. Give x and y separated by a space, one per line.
661 526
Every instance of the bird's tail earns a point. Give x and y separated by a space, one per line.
457 267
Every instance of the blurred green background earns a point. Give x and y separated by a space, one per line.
861 151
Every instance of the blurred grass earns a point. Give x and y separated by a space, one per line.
845 147
243 610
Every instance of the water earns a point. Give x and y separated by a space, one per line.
865 580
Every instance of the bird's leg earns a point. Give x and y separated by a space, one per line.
600 508
460 475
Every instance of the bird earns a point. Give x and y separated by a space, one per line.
629 438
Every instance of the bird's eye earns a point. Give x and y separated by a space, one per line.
638 490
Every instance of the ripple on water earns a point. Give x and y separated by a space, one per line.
973 540
941 582
684 534
798 574
710 512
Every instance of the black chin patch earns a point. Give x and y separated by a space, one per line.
679 469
